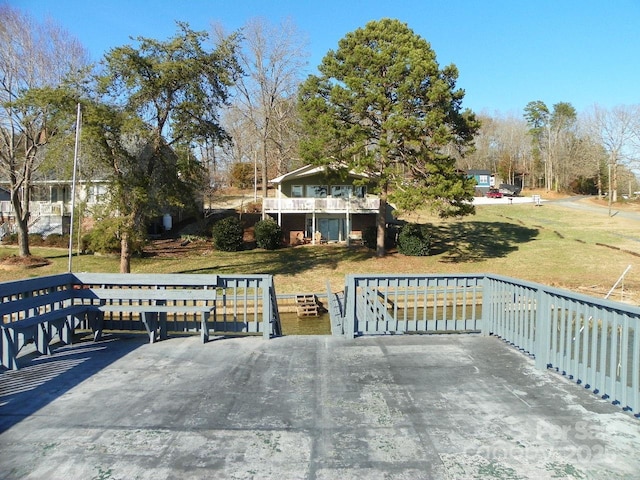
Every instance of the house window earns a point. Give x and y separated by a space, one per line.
317 191
60 194
40 194
341 191
359 191
296 191
483 179
97 193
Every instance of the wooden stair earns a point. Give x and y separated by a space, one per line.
307 306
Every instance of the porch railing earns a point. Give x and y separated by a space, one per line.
39 209
326 205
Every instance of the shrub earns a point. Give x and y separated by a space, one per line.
228 235
105 238
10 239
268 234
36 239
414 240
370 237
56 240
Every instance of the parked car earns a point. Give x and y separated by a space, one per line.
494 193
509 190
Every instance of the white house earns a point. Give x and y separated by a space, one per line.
50 206
311 205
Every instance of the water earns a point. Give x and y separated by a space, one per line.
292 325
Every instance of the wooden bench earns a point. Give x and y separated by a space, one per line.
37 310
152 306
149 297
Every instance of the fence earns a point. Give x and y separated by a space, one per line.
594 342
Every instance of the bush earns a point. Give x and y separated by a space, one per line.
36 240
10 239
268 234
228 235
414 240
56 240
105 238
370 237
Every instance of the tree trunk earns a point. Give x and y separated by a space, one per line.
381 224
125 254
22 224
614 188
264 167
23 238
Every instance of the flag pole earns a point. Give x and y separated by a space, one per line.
73 187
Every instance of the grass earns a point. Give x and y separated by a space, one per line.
553 244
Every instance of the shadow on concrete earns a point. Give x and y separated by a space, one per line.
41 379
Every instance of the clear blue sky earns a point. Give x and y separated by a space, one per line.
508 52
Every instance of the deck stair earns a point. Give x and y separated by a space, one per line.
307 305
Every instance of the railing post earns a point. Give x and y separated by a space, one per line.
542 333
487 311
266 308
350 307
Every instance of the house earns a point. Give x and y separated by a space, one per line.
50 206
484 181
313 206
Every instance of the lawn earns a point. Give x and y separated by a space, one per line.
552 244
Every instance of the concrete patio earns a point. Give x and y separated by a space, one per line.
305 407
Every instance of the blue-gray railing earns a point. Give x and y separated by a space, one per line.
244 303
593 341
377 304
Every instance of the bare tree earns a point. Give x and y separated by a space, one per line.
617 131
33 56
273 58
502 146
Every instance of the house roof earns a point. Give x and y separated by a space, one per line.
309 170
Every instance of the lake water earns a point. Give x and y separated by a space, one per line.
292 325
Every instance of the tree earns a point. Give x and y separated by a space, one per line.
382 106
552 136
537 116
503 146
617 131
34 60
272 58
160 98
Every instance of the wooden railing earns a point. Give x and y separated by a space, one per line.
323 205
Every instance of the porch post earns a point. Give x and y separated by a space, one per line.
280 204
313 224
348 222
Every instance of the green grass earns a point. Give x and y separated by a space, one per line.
551 244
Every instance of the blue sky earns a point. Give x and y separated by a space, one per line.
508 52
